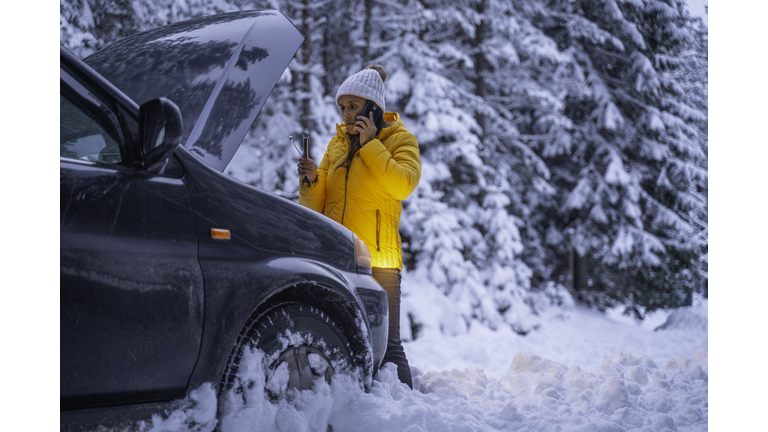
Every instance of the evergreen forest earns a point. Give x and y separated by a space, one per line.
563 143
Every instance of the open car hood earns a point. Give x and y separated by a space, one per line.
218 69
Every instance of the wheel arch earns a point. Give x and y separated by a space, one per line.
255 288
342 309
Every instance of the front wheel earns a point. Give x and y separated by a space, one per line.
300 344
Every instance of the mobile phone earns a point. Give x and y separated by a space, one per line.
378 114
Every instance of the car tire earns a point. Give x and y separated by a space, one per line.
292 336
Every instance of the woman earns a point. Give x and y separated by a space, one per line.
365 173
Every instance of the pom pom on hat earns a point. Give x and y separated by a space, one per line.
367 84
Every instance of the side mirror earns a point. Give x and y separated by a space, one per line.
160 129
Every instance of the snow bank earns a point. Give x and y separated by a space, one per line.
577 336
573 374
626 393
691 319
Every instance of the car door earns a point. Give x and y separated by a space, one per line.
131 286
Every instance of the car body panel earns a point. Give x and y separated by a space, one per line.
281 245
151 304
219 70
128 257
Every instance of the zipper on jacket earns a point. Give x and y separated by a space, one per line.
346 181
378 229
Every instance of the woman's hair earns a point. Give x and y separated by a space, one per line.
354 140
354 146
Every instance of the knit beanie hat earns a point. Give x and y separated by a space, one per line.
367 84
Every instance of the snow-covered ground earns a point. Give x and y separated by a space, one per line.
580 336
580 371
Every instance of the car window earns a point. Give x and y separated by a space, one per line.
85 131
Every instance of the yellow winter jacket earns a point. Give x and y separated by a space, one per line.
366 199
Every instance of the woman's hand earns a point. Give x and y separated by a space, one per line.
366 128
307 168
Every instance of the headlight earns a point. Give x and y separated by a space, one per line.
362 256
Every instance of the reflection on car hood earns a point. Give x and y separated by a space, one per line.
218 69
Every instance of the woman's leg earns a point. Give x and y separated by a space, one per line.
389 279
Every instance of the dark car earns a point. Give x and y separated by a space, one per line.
169 268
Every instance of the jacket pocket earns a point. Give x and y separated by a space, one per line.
378 230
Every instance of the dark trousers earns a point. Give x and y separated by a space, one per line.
389 279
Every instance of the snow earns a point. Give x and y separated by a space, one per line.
697 8
582 370
576 368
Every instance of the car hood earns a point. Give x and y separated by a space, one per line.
218 69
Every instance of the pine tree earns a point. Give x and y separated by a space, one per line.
556 136
267 158
76 24
629 185
455 60
520 75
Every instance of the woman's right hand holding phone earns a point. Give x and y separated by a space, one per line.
308 168
366 128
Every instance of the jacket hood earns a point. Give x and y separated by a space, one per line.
218 69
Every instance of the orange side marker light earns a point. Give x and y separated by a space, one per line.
220 234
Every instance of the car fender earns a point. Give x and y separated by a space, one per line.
280 280
276 250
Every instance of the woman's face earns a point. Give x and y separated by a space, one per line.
351 107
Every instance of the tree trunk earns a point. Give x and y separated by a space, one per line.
367 32
579 275
306 58
326 57
480 65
